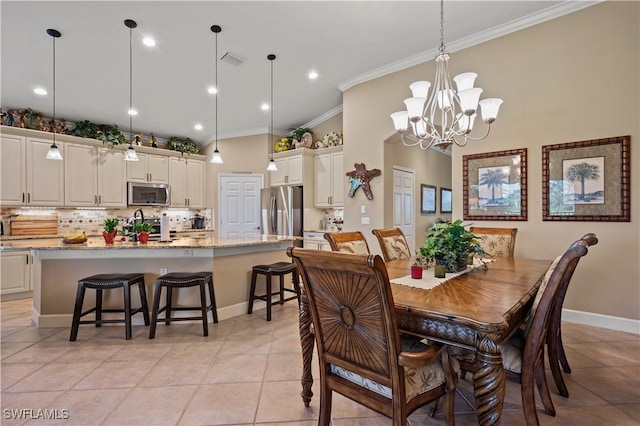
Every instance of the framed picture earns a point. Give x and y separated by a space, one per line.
427 199
587 180
445 200
495 185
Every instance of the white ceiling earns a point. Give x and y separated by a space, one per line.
345 42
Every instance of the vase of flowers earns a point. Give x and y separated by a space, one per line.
450 244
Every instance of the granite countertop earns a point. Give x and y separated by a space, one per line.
60 236
97 243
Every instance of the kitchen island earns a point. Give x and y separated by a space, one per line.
57 267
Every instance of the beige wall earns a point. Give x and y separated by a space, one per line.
570 79
334 124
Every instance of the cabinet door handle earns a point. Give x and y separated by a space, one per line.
99 199
26 258
23 197
28 197
185 201
95 199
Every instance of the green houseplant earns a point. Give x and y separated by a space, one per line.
110 226
182 145
450 244
143 229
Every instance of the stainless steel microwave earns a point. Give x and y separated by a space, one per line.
148 194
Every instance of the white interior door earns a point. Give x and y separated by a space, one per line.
403 202
239 205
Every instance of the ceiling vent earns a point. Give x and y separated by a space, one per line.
232 58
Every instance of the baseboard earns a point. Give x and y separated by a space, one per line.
599 320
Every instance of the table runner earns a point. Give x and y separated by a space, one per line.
429 281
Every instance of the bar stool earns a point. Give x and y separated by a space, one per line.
279 269
173 280
102 282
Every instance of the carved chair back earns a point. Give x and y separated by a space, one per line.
392 243
496 241
348 242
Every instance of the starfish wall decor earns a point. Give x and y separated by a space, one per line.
360 177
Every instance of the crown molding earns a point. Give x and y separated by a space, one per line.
548 14
324 117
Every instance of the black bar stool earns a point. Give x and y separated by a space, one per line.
102 282
180 280
279 269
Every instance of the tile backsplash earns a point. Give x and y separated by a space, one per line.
90 220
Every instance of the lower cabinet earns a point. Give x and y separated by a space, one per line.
15 271
316 241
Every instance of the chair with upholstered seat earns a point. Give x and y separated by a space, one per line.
523 353
392 243
360 352
555 348
348 242
499 242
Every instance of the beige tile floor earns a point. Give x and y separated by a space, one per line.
247 372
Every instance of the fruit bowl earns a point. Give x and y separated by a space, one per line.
74 238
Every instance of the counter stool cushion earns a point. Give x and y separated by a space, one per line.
279 269
204 280
102 282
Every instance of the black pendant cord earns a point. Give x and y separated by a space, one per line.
271 58
216 30
54 93
130 87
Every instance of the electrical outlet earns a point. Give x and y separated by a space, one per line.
364 221
187 253
163 271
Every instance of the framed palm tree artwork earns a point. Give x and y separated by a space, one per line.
587 180
495 185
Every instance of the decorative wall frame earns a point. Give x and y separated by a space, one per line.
495 185
427 199
445 200
587 180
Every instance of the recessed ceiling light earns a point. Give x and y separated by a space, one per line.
212 90
313 75
39 91
132 112
148 41
265 107
198 126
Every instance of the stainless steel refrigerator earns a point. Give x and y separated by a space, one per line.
282 210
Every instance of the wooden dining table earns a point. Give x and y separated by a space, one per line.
478 310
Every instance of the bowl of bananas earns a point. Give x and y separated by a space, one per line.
75 238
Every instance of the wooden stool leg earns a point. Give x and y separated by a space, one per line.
156 306
98 307
167 312
143 301
77 311
268 296
212 296
127 311
203 308
282 289
252 291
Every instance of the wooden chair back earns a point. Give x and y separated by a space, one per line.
496 241
355 328
392 243
348 242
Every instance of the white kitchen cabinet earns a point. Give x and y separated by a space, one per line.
94 176
293 167
186 179
315 240
152 168
28 178
329 178
15 271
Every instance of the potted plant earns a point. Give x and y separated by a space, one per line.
143 229
182 145
450 244
110 229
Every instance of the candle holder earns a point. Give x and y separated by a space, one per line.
440 271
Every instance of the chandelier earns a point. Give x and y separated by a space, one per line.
446 115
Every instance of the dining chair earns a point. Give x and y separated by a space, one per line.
555 348
496 241
360 351
523 353
348 242
392 243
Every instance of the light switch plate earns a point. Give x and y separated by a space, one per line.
363 209
365 221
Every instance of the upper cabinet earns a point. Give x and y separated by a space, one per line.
294 167
328 165
94 176
186 179
28 178
149 168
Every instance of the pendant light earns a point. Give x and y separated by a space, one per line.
54 151
216 158
272 164
131 152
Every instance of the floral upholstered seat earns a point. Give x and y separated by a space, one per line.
499 242
392 243
348 242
